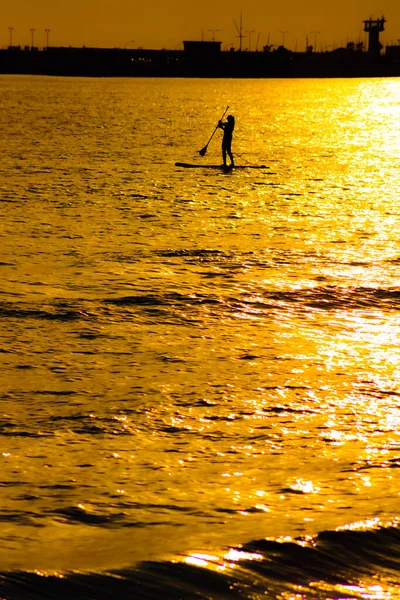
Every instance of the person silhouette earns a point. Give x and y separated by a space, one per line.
227 127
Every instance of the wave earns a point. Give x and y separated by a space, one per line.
49 311
174 305
319 297
355 562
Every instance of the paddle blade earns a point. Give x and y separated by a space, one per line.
203 151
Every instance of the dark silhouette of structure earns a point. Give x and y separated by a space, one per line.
373 27
206 59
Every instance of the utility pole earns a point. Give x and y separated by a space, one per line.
47 38
315 39
213 31
250 32
11 29
32 30
283 37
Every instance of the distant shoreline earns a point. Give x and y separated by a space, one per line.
199 61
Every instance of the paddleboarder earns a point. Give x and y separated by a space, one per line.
227 127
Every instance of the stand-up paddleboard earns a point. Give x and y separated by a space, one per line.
220 167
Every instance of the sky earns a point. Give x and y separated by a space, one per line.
166 23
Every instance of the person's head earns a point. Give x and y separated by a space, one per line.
230 118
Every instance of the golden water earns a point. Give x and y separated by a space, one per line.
192 358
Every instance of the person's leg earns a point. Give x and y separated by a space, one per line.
229 150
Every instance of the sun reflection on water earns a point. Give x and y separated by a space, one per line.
220 563
178 333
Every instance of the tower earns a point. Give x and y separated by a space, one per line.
373 27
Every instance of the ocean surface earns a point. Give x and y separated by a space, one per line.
199 369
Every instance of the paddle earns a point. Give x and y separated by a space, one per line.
204 150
